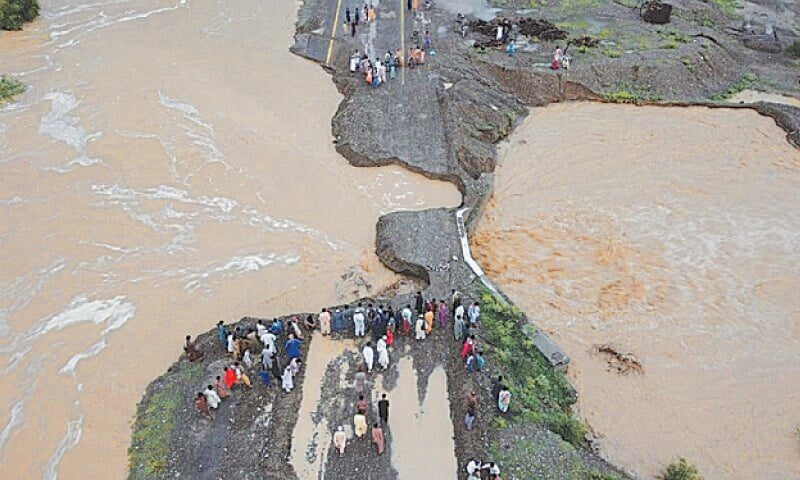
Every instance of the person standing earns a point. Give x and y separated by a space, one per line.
361 405
458 327
274 367
360 424
190 351
383 409
356 17
369 356
407 315
340 440
503 399
442 314
474 314
479 361
212 399
338 321
347 15
222 390
358 321
419 303
292 347
222 333
429 320
459 311
472 410
377 438
202 406
360 380
325 322
383 353
230 378
287 379
247 359
420 329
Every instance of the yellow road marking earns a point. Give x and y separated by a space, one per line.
333 32
402 41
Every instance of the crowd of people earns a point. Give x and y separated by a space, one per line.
380 327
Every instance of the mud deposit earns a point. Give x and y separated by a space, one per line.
674 235
171 165
422 431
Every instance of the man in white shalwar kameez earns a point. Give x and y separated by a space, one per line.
383 353
288 379
369 356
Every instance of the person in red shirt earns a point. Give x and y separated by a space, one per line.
230 378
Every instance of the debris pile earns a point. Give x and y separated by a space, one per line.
656 12
585 41
620 361
542 29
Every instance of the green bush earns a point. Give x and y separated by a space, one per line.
567 427
13 13
9 88
793 50
681 470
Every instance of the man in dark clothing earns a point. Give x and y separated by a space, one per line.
357 16
383 409
409 5
347 14
418 303
497 385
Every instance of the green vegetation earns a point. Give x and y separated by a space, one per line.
10 88
563 462
541 393
681 470
673 39
611 52
728 7
689 64
793 50
746 81
623 96
155 422
13 13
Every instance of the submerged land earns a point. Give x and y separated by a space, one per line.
444 120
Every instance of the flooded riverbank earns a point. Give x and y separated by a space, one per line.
672 234
154 183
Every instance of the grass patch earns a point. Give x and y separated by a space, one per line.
728 7
745 82
10 88
540 393
155 422
13 13
689 64
793 50
611 52
628 96
681 470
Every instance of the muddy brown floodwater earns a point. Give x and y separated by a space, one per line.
672 234
171 165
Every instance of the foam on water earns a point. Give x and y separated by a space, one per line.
71 438
58 124
69 367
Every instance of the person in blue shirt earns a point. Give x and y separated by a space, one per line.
222 333
292 347
338 321
276 327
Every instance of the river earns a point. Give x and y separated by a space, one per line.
672 234
171 165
